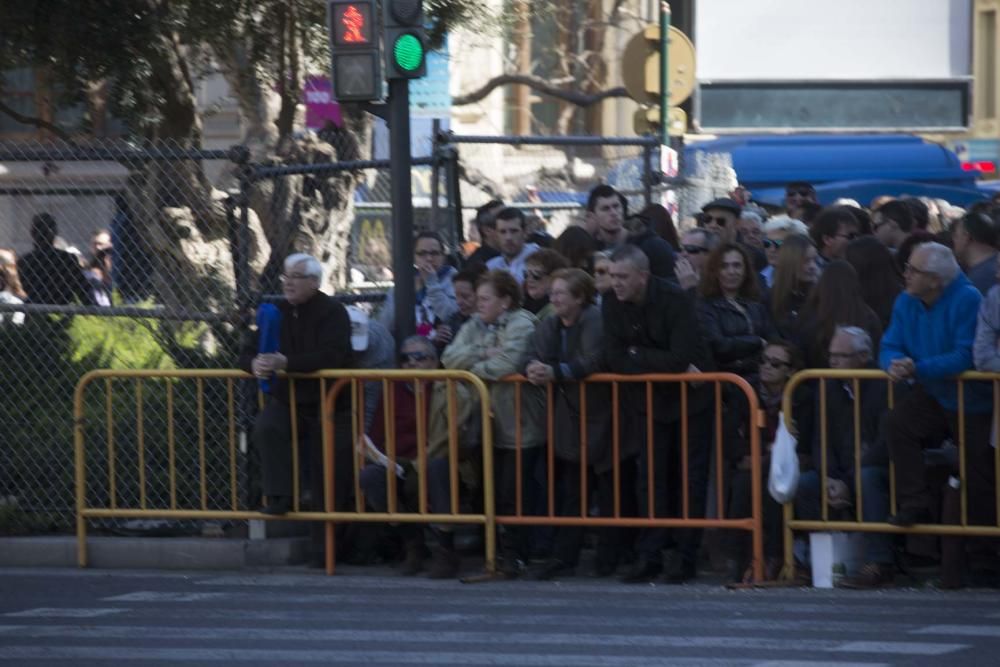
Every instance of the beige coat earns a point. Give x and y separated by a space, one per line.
512 334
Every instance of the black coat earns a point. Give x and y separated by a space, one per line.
659 335
52 276
734 335
574 353
840 448
315 335
660 253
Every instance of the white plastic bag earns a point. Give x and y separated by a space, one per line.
783 478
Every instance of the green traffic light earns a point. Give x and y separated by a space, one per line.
408 52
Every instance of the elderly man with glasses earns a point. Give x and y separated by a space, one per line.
851 348
928 343
313 333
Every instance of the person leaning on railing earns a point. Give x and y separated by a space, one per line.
568 347
650 326
493 344
314 334
928 343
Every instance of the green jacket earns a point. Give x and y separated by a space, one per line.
512 334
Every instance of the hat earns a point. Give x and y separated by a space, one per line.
359 328
725 203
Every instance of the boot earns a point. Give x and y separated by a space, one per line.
444 560
413 563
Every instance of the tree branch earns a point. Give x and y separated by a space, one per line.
541 86
35 122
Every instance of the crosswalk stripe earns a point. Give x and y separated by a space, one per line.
408 637
64 612
961 630
409 657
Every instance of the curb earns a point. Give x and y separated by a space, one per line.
166 553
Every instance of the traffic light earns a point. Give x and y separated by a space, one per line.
354 50
405 39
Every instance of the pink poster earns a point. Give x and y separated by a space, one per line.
320 106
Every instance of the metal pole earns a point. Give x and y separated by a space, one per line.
402 207
436 175
242 259
647 174
664 73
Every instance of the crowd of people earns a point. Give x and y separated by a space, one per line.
54 273
902 287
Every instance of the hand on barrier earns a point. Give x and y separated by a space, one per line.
902 369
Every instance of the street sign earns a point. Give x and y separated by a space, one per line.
641 66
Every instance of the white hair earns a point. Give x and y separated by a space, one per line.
752 215
847 201
312 266
861 341
940 261
783 223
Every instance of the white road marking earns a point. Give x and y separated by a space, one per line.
59 612
961 630
409 638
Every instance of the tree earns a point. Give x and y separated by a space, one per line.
143 60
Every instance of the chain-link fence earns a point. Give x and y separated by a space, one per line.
117 255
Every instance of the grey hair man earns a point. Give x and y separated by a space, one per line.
929 342
314 333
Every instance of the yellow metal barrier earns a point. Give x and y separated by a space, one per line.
792 524
754 523
340 378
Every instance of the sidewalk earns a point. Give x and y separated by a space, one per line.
167 553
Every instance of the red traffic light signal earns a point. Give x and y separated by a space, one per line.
354 50
351 23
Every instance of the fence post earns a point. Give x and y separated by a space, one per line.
647 173
240 155
436 175
449 153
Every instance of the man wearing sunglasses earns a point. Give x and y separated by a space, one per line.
695 245
797 195
832 230
721 217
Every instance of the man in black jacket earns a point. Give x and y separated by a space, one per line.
314 334
49 275
650 326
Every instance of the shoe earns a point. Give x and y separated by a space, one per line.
277 505
510 565
604 569
551 569
413 563
680 571
907 516
734 571
642 572
444 564
871 575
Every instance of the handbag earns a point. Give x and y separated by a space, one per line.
783 477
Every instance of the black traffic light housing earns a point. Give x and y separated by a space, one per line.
354 47
405 39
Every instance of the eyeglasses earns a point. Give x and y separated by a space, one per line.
285 277
413 356
774 363
428 253
534 274
909 268
722 222
849 237
801 192
771 243
694 249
